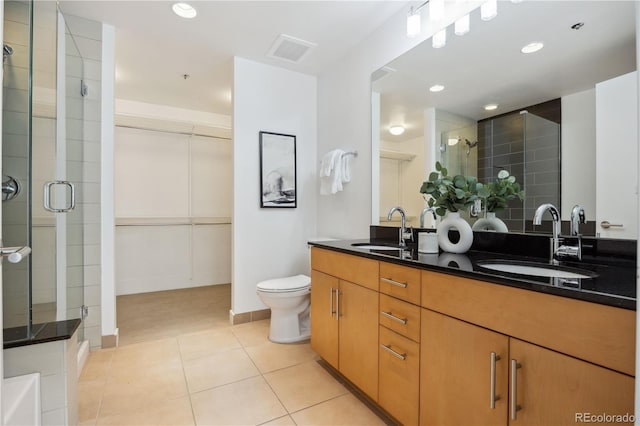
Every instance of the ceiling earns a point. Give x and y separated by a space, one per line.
155 48
486 65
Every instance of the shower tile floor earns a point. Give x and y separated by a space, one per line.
172 368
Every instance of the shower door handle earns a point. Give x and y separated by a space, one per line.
15 254
47 196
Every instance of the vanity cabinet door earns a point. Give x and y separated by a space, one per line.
324 320
358 310
458 378
552 388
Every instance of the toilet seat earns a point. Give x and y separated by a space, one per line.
285 285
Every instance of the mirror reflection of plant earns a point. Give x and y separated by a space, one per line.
501 191
451 193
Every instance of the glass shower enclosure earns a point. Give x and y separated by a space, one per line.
42 151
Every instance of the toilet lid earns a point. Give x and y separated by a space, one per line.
297 282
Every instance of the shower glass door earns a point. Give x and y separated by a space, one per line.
16 167
43 125
71 171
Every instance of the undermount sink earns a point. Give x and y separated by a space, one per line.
536 269
369 246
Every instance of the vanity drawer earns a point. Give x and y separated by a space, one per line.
355 269
400 281
399 376
401 317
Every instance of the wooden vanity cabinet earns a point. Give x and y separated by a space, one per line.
439 349
324 323
399 374
344 315
468 321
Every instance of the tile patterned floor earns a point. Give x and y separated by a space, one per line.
217 375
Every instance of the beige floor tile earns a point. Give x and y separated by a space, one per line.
195 345
252 333
304 385
97 365
344 410
249 402
174 413
274 356
281 421
146 353
218 369
89 398
155 384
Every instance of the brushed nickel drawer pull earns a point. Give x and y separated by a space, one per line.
514 389
389 315
606 225
493 396
331 311
396 283
387 348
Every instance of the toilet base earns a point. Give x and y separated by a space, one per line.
285 328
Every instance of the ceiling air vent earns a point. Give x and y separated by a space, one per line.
290 49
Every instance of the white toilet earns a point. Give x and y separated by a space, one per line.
290 306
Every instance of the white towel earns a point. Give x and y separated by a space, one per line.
331 170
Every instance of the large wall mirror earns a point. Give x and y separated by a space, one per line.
560 125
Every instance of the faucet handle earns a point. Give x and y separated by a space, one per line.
409 234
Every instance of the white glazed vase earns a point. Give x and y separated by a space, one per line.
453 221
490 223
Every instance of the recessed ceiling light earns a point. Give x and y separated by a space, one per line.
532 47
184 10
396 130
491 107
436 88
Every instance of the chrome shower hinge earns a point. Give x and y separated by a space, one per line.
84 89
84 312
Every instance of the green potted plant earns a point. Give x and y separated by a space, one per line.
497 195
449 195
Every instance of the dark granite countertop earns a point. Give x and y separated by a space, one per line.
41 333
614 285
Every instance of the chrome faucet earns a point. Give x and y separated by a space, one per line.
402 234
424 212
577 217
555 216
561 251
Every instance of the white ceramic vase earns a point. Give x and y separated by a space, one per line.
490 223
453 221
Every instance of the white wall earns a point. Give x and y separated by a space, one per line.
271 243
579 153
344 116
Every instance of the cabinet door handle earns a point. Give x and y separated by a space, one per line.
514 389
396 283
394 353
331 311
389 315
606 225
493 397
337 304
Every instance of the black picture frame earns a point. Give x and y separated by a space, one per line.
278 181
